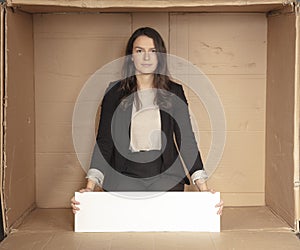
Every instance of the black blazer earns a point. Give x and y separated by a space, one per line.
114 130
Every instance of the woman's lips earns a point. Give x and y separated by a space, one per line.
146 64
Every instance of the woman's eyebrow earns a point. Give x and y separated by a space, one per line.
138 47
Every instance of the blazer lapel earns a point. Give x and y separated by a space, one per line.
121 125
165 127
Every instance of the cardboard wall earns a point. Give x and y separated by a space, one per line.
280 116
2 18
68 49
38 6
231 50
297 126
19 131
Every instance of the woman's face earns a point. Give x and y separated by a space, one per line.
144 55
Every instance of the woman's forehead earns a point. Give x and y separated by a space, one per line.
144 42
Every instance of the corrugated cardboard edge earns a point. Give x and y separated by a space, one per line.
280 164
3 77
297 122
15 116
1 111
4 207
143 3
13 227
41 6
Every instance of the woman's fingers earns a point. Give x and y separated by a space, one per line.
221 206
220 211
74 201
73 205
74 208
209 190
85 190
212 191
221 203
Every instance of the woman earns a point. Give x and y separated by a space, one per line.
144 126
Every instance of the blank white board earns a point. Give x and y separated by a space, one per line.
147 212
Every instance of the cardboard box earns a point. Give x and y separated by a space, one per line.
249 50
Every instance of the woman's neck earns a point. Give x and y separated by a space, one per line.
144 81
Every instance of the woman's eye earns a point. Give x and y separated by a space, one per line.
138 51
153 51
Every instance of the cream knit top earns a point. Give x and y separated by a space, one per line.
145 131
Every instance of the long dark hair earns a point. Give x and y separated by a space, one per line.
161 74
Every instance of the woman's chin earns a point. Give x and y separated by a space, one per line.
145 71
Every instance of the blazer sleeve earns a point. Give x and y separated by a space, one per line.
184 134
104 147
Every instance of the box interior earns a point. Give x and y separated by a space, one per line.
243 228
280 111
249 57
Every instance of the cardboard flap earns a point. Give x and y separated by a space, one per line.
280 116
2 72
19 185
158 5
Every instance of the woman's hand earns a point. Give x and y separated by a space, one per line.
220 205
74 202
202 187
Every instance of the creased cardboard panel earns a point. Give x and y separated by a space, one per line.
207 9
2 72
221 43
231 50
67 53
242 228
158 21
238 170
69 48
20 118
280 116
248 91
140 5
239 175
63 173
243 97
297 127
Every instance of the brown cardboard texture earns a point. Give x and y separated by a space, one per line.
239 77
243 228
248 49
19 130
296 124
2 52
280 137
60 50
38 6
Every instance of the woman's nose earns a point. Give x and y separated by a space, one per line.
146 56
